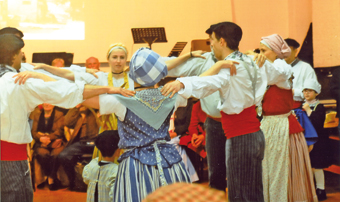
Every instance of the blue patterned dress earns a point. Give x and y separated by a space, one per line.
148 162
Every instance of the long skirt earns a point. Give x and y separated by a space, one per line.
136 180
300 181
275 164
287 172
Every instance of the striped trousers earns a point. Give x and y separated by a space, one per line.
244 155
16 182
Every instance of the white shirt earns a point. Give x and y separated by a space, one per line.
108 104
301 71
236 92
194 67
18 101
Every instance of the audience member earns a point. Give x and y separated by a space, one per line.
92 63
11 30
58 62
48 133
83 121
101 175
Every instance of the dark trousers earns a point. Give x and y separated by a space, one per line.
16 184
47 158
215 147
69 157
244 155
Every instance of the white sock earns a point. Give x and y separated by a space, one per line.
319 178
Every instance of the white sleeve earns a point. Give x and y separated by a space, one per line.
201 87
181 101
278 73
108 104
61 93
192 67
76 68
88 78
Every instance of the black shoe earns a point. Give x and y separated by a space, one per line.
55 185
321 193
41 185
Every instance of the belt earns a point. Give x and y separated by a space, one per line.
216 119
158 160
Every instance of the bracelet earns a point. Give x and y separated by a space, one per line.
190 54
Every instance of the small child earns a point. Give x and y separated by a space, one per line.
101 176
319 155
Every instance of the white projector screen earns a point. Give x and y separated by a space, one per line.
45 19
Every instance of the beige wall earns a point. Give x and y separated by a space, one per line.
110 21
326 33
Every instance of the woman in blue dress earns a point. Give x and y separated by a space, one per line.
148 162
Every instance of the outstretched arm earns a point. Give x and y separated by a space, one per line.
179 60
92 91
64 73
219 65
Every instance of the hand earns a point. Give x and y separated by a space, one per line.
172 87
122 91
92 71
260 58
57 143
229 64
306 106
23 76
199 140
45 140
193 139
172 134
39 65
198 54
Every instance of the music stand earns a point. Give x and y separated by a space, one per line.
149 35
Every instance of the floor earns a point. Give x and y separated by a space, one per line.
332 177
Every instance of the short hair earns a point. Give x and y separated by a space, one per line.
229 31
107 142
292 42
10 45
11 30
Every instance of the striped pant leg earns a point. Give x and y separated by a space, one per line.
16 182
244 155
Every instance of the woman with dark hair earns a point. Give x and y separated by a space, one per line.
48 133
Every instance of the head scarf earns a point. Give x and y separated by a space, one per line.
116 46
147 67
277 44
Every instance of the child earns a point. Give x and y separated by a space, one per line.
319 156
148 162
100 176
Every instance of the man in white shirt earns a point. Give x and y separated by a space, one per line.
239 95
301 71
17 101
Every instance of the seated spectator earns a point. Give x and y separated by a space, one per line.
196 138
58 62
85 129
92 63
101 175
48 133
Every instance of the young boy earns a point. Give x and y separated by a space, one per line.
320 155
101 176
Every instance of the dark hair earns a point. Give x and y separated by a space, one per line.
107 142
293 43
229 31
11 30
10 45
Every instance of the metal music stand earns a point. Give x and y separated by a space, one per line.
149 35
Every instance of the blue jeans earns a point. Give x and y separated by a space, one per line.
215 147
